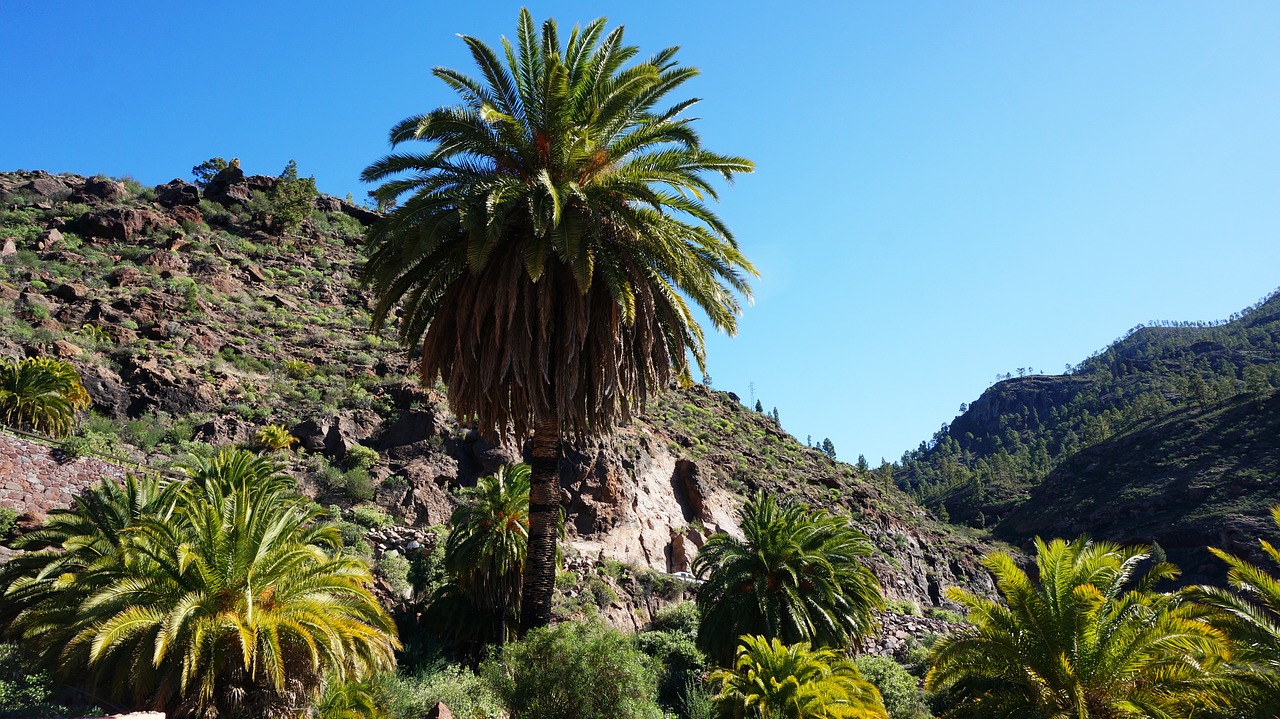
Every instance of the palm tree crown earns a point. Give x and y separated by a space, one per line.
42 394
552 232
1089 640
796 576
486 550
771 680
221 596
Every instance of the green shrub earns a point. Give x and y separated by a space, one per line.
945 615
900 691
467 695
357 484
8 520
574 670
371 516
395 570
361 457
903 606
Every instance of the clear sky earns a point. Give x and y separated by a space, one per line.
944 191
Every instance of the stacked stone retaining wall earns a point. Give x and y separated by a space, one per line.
34 480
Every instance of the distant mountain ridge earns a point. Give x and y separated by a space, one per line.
1138 414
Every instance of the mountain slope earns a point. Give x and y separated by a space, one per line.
1112 447
195 321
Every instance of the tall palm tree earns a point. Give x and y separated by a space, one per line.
41 394
796 576
487 545
550 245
1089 640
1249 614
772 680
224 596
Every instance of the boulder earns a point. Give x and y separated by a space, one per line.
165 261
46 186
328 203
71 292
97 190
335 435
9 249
121 223
186 213
224 430
66 350
50 238
177 193
228 187
126 276
440 711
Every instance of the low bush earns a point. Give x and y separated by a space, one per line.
574 670
900 691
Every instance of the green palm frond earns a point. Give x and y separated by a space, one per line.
224 592
41 394
773 680
1088 639
797 575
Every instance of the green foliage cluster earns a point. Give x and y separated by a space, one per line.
574 670
292 198
1090 637
41 394
900 691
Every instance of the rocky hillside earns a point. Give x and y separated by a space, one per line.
1194 478
1167 435
196 320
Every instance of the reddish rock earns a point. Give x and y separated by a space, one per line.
65 349
125 277
96 190
177 193
122 223
183 213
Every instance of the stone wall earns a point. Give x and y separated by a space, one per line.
34 481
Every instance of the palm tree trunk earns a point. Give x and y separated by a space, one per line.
544 516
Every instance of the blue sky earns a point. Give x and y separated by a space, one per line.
944 191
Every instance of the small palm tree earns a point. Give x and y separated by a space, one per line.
1089 640
487 545
551 244
274 437
772 680
796 576
221 595
41 394
1249 614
